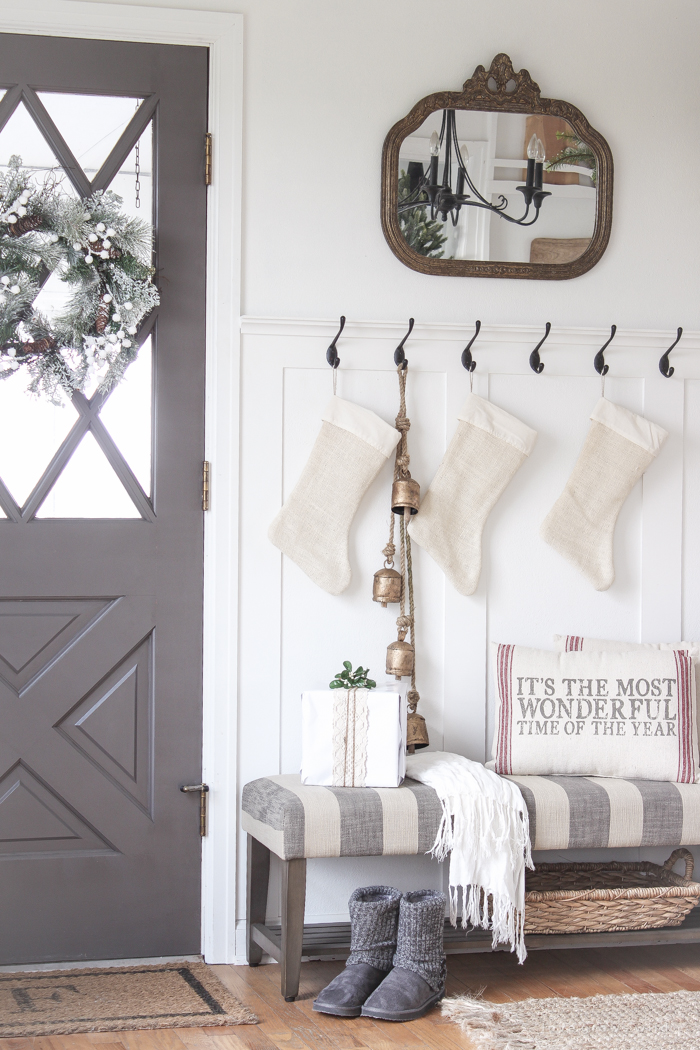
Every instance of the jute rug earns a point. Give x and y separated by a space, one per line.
655 1021
59 1002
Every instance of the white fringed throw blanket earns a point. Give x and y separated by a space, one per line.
485 828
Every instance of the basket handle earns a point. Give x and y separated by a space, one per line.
687 856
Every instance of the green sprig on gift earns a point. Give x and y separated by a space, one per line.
349 679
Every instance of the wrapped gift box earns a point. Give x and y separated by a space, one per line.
354 738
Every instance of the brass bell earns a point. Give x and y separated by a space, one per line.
387 586
416 732
399 658
405 495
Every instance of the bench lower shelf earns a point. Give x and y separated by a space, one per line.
332 940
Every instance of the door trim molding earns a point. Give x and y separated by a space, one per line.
222 33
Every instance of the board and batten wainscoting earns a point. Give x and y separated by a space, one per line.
293 636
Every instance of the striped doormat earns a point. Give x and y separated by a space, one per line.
59 1002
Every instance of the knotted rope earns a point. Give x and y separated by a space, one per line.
405 623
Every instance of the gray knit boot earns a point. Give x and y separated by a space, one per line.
374 918
417 980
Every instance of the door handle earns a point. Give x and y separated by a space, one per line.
203 790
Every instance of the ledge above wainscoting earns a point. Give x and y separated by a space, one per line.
642 338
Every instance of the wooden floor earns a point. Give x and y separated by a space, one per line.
293 1026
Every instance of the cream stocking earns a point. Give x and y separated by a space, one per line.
482 457
313 525
618 449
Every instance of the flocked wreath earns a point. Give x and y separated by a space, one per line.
101 253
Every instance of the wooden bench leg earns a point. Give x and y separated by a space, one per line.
258 877
293 904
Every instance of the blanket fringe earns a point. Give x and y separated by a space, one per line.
493 911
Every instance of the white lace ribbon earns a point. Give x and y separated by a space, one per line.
350 728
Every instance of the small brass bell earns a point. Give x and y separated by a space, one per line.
416 732
405 495
399 658
387 586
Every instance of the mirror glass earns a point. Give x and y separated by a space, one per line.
553 197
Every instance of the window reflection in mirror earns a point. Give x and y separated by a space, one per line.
495 148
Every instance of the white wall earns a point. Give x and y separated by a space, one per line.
324 81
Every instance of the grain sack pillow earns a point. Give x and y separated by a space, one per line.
606 714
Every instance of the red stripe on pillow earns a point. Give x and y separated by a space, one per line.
574 643
686 763
683 713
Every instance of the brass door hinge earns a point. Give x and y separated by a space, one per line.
207 159
205 484
203 790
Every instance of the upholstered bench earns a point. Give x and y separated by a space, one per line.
295 822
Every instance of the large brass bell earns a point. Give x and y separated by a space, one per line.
399 658
387 586
405 495
416 732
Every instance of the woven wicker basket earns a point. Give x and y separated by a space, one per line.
586 898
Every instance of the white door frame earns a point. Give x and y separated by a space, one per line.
223 34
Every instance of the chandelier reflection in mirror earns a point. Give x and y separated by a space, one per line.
425 189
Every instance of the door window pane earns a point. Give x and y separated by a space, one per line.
31 430
90 124
134 180
22 137
88 488
127 415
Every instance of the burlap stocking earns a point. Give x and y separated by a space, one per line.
618 449
482 457
313 525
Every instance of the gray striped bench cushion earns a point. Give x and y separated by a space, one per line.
298 821
565 813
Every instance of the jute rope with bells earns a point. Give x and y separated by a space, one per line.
391 586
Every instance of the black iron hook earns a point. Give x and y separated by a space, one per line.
399 356
332 353
599 359
535 364
663 363
467 360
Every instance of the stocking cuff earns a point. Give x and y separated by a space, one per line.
363 424
481 413
637 429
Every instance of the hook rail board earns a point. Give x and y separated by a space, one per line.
535 362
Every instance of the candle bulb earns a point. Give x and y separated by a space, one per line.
539 162
531 155
434 153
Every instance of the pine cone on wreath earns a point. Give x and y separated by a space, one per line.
25 225
39 346
102 318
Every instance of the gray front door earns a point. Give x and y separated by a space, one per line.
101 539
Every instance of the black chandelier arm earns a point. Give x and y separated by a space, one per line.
460 161
503 215
415 193
407 206
466 202
442 126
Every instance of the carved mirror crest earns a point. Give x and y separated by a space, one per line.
496 181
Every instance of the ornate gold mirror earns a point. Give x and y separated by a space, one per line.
496 181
